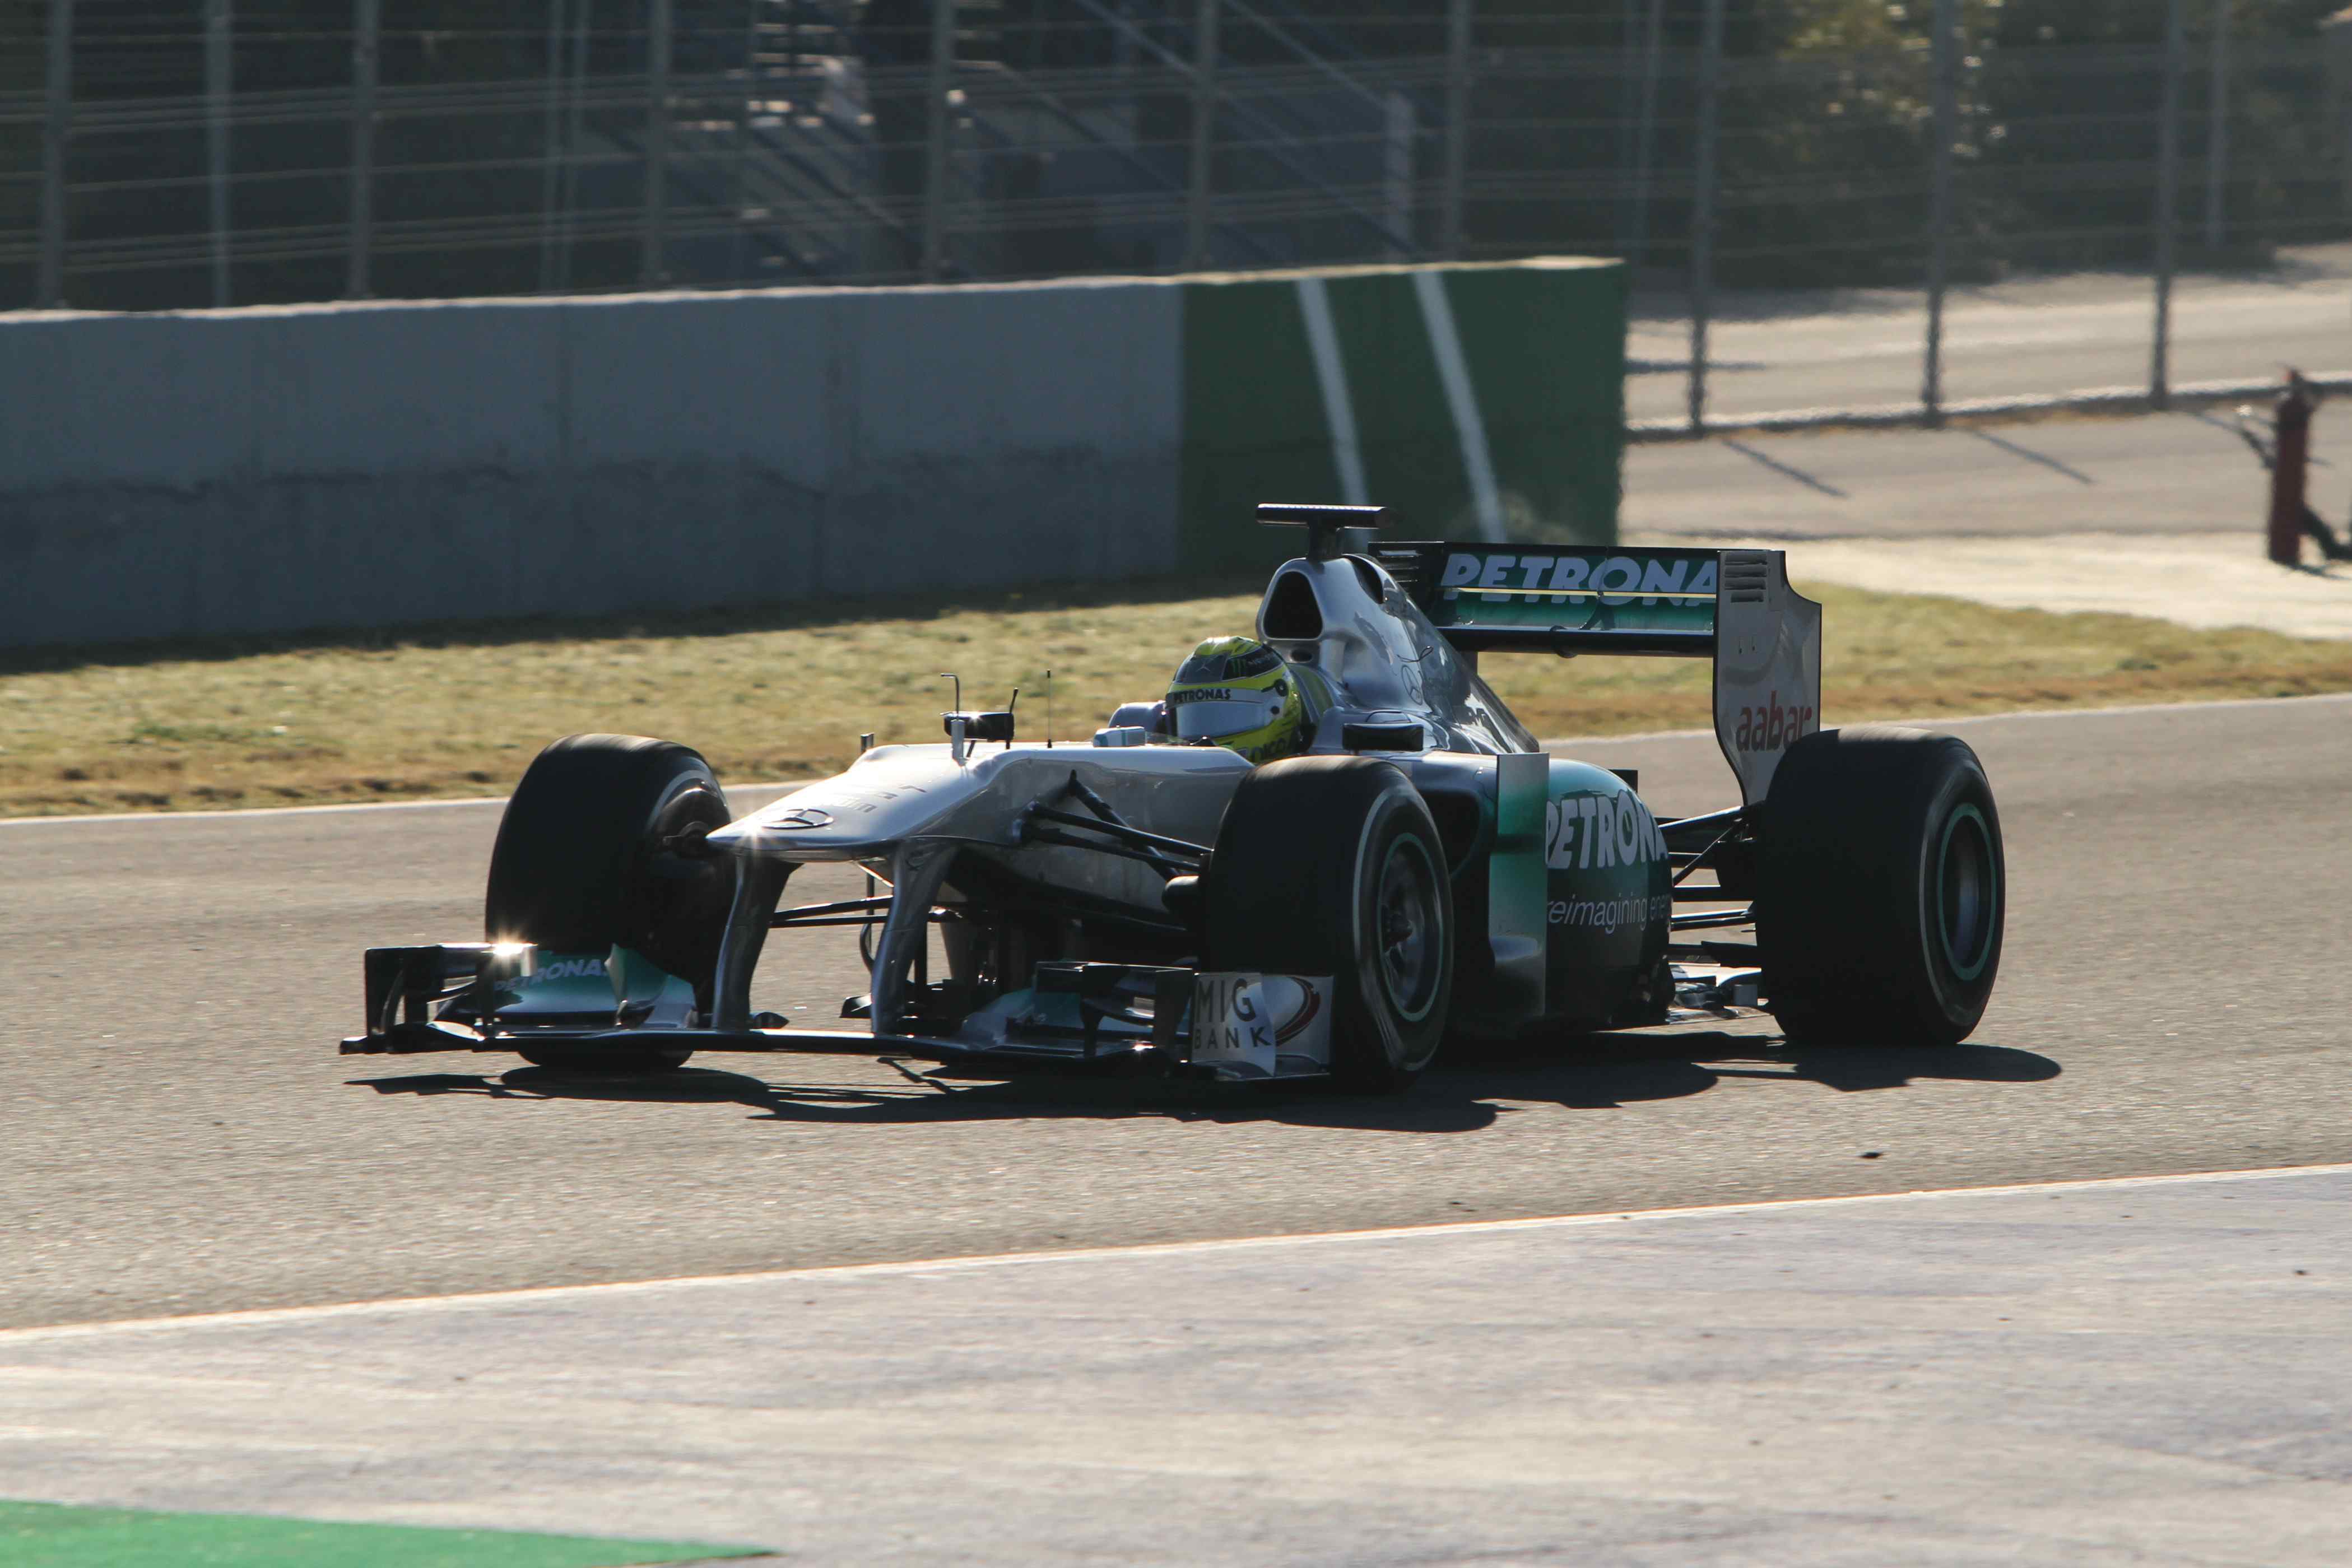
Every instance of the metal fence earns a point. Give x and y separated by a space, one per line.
165 153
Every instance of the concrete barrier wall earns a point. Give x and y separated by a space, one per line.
271 470
253 471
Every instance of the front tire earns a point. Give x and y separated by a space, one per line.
579 868
1881 888
1332 865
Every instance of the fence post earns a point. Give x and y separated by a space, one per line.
739 172
1204 136
219 83
2217 131
658 44
551 146
935 168
1399 125
1702 220
1457 126
575 137
1946 127
1628 95
2168 182
366 31
49 286
1645 136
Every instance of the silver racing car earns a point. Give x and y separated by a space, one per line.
1157 902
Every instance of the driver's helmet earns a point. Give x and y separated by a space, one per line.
1235 691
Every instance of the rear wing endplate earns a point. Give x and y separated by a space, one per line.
1734 606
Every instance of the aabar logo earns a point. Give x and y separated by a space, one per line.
1557 579
1771 726
1581 832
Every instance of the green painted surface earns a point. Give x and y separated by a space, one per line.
1254 424
1412 459
1544 344
52 1535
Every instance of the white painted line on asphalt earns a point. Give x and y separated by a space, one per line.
1331 375
493 1299
1461 401
311 810
2117 711
2144 707
253 811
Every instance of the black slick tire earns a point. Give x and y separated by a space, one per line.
579 867
1881 888
1332 865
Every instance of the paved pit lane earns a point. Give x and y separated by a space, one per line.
182 1137
2120 1373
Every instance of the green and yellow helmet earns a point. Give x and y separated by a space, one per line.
1235 691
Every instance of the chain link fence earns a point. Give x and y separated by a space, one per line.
1849 166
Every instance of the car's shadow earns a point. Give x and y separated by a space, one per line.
1603 1072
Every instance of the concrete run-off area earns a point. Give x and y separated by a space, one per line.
2143 1371
2161 514
2196 580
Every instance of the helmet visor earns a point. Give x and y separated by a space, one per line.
1215 718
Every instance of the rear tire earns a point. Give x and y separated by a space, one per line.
1332 865
579 868
1881 888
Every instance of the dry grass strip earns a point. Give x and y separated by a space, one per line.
784 692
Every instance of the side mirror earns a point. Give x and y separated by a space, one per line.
979 726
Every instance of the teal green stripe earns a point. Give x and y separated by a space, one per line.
1255 428
52 1535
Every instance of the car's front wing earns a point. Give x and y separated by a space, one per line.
1108 1018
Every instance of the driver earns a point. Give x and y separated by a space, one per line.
1236 691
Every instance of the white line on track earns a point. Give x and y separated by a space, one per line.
315 810
1934 723
493 1299
1942 722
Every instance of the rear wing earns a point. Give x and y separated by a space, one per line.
1733 606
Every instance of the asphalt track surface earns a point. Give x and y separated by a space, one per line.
2140 1371
2142 477
182 1137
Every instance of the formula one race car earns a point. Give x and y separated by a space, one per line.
1143 904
